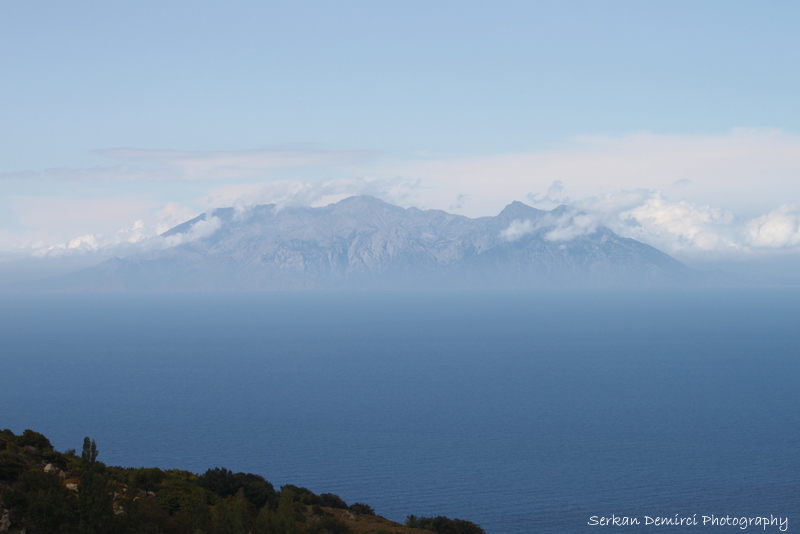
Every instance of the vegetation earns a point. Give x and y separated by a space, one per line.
444 525
43 491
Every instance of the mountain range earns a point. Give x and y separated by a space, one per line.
364 243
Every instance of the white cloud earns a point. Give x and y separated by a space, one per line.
570 225
115 234
171 215
517 229
677 227
82 215
314 194
162 165
749 171
563 226
199 230
555 196
684 229
778 229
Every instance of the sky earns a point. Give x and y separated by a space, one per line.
673 122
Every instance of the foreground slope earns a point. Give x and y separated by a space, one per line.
43 491
363 242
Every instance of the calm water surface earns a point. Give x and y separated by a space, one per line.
523 412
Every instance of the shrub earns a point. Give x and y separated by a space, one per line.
332 501
11 467
444 525
361 508
146 478
45 504
34 439
303 495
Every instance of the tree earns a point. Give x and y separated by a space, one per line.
225 483
95 502
286 513
231 515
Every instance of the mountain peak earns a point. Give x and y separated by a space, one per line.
361 203
518 210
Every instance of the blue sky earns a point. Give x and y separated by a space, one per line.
677 123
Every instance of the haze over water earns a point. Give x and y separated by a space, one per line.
523 412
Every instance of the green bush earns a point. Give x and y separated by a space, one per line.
361 508
44 504
34 439
146 478
444 525
332 501
303 495
11 467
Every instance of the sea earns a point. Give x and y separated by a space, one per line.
524 412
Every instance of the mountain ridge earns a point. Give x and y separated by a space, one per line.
362 242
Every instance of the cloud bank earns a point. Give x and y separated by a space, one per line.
163 165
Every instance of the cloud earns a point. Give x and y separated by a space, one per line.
314 194
199 230
518 229
677 227
554 196
216 165
163 165
565 225
749 171
118 235
778 229
461 198
171 215
568 226
101 214
687 230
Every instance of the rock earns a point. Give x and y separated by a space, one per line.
50 468
62 475
5 521
73 487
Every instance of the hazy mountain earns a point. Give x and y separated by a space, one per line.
363 242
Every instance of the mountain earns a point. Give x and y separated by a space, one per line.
363 242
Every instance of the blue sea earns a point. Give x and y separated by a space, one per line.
523 412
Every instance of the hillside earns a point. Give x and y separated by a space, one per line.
45 491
